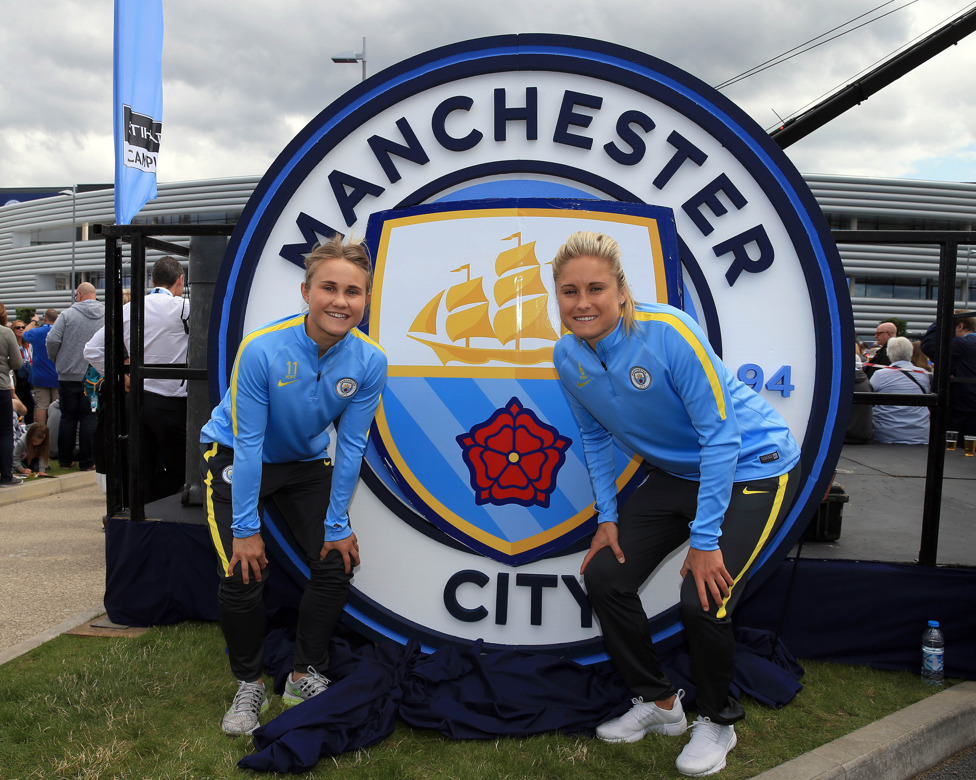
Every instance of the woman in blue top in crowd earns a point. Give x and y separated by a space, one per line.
268 439
722 472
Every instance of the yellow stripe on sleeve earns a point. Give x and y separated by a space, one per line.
297 320
360 335
685 332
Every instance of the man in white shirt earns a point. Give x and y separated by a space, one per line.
166 337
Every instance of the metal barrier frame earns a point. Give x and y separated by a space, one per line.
118 436
948 242
142 237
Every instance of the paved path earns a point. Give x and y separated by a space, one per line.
960 766
53 553
883 519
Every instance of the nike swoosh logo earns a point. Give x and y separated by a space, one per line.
583 384
748 492
282 384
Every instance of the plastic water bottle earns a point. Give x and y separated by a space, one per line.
933 648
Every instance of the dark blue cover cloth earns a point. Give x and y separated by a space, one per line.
868 613
466 693
764 668
357 711
463 693
159 573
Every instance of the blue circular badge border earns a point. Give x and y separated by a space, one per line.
785 188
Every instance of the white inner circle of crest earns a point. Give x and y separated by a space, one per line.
765 316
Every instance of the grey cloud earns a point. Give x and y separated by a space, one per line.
241 75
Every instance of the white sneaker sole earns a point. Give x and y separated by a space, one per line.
715 769
664 729
239 733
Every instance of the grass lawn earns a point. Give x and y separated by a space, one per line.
150 707
56 471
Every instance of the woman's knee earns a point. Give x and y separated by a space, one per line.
234 594
604 575
691 606
330 572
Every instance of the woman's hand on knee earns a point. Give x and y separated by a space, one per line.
249 552
348 548
711 576
605 536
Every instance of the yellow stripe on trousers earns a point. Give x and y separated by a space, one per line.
211 520
767 530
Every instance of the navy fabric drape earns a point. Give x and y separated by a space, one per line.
466 693
159 573
868 613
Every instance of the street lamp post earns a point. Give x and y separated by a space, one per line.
73 192
965 297
353 57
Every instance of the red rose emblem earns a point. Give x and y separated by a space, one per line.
513 457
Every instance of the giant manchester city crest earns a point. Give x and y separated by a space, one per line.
464 169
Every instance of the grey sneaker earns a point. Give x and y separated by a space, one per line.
249 702
13 482
312 684
645 718
705 753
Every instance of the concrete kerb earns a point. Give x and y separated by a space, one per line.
39 639
897 747
40 487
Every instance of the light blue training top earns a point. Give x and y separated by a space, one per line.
664 394
280 402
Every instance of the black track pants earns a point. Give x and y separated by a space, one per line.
651 525
301 492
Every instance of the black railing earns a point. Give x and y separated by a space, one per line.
142 237
125 491
948 243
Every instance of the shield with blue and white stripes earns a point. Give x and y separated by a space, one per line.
473 431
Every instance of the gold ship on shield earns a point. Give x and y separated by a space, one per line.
523 313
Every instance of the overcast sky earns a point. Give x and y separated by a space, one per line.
242 77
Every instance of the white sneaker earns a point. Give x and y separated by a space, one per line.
705 753
312 684
249 702
645 718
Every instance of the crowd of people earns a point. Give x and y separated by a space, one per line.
722 465
897 364
51 359
46 366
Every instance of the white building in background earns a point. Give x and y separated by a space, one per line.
892 281
44 242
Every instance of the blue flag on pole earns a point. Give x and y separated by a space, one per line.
138 103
